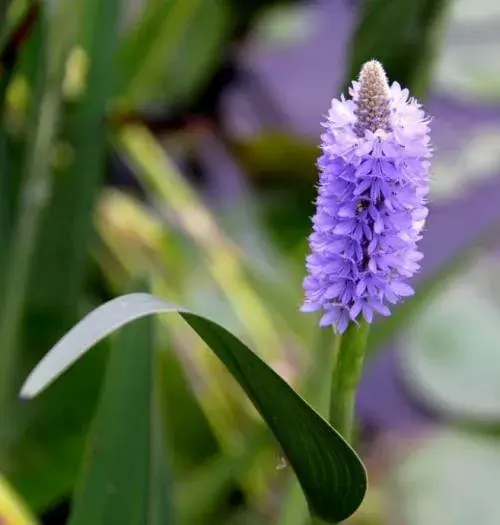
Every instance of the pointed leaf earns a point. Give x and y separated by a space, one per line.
331 474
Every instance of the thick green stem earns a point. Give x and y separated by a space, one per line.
331 388
317 391
347 357
346 376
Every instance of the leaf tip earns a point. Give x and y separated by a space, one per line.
29 389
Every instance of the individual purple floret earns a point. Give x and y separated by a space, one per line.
371 204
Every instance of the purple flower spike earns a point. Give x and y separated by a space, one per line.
371 205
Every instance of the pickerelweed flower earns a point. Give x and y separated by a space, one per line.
371 204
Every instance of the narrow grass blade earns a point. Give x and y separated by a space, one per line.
124 468
192 439
34 198
331 474
223 259
70 214
46 454
205 491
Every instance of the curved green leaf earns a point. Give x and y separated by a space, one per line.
329 471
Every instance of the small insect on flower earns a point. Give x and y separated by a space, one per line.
371 203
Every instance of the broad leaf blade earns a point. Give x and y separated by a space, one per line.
125 468
331 474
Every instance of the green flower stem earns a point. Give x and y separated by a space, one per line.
316 390
346 375
348 354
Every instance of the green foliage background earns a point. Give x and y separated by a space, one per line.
77 83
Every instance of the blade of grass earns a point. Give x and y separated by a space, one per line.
202 493
68 225
31 54
132 253
46 456
34 198
159 175
124 479
191 437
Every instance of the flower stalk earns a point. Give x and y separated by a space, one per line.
370 213
346 376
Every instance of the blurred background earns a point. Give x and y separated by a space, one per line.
177 139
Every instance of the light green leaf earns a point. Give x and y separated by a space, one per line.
331 474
